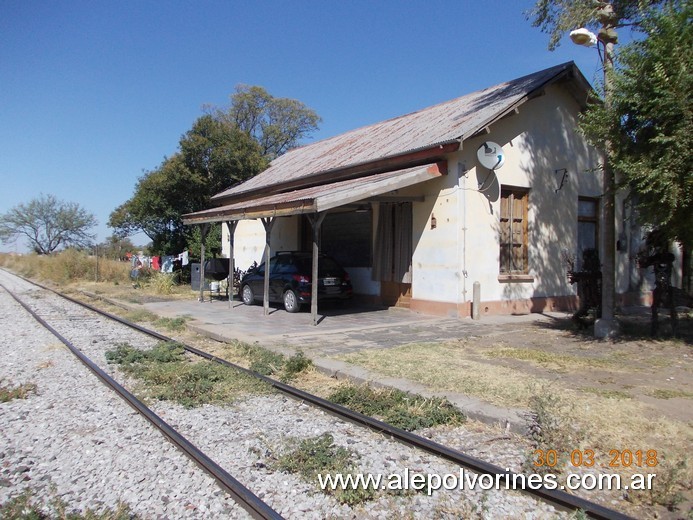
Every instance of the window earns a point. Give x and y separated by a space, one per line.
588 227
513 232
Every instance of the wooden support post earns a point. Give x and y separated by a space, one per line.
267 223
315 222
231 224
204 229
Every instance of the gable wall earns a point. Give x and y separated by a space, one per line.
538 140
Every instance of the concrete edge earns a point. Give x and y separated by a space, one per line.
509 419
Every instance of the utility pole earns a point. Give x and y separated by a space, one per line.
606 326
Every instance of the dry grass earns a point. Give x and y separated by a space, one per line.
594 417
66 267
421 362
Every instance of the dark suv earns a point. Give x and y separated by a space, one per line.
289 281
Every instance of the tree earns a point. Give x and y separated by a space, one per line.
212 156
276 124
48 224
161 197
115 247
220 153
649 119
221 149
558 17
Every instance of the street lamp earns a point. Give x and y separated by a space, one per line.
606 326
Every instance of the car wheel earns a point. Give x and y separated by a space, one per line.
291 303
247 295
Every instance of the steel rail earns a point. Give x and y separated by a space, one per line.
242 495
557 497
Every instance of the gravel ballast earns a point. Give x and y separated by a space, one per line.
74 439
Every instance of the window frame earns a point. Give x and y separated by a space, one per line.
591 219
513 195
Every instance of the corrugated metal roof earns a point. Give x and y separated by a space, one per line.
318 198
453 120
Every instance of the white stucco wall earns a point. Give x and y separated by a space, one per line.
249 240
537 141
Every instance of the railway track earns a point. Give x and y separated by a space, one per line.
250 502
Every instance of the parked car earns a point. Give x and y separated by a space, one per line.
290 280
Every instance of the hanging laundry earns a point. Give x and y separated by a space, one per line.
167 263
184 258
156 265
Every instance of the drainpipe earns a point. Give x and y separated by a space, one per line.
462 201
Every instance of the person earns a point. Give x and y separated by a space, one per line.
135 273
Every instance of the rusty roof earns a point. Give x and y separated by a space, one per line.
445 123
318 198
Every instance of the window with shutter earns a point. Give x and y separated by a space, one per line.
513 232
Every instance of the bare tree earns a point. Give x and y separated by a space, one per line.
48 224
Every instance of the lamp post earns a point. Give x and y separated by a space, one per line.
606 326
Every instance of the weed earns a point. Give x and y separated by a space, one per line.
401 409
8 393
161 283
140 316
295 365
263 361
320 456
26 507
268 363
173 324
666 490
549 428
168 374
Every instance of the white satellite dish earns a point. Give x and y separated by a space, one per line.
491 155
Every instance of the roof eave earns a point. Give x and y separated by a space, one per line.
416 157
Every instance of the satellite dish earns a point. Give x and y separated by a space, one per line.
491 155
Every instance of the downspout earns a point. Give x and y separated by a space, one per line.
462 200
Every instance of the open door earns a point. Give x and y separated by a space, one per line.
393 253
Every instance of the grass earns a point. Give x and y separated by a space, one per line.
171 324
167 373
269 363
661 393
9 392
607 393
67 266
551 359
319 455
561 415
403 410
140 316
26 506
422 362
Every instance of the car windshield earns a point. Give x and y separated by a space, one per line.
326 266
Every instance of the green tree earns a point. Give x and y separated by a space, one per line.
161 197
221 149
212 156
48 223
649 119
115 247
276 124
220 153
558 17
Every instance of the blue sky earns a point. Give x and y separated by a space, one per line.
92 93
